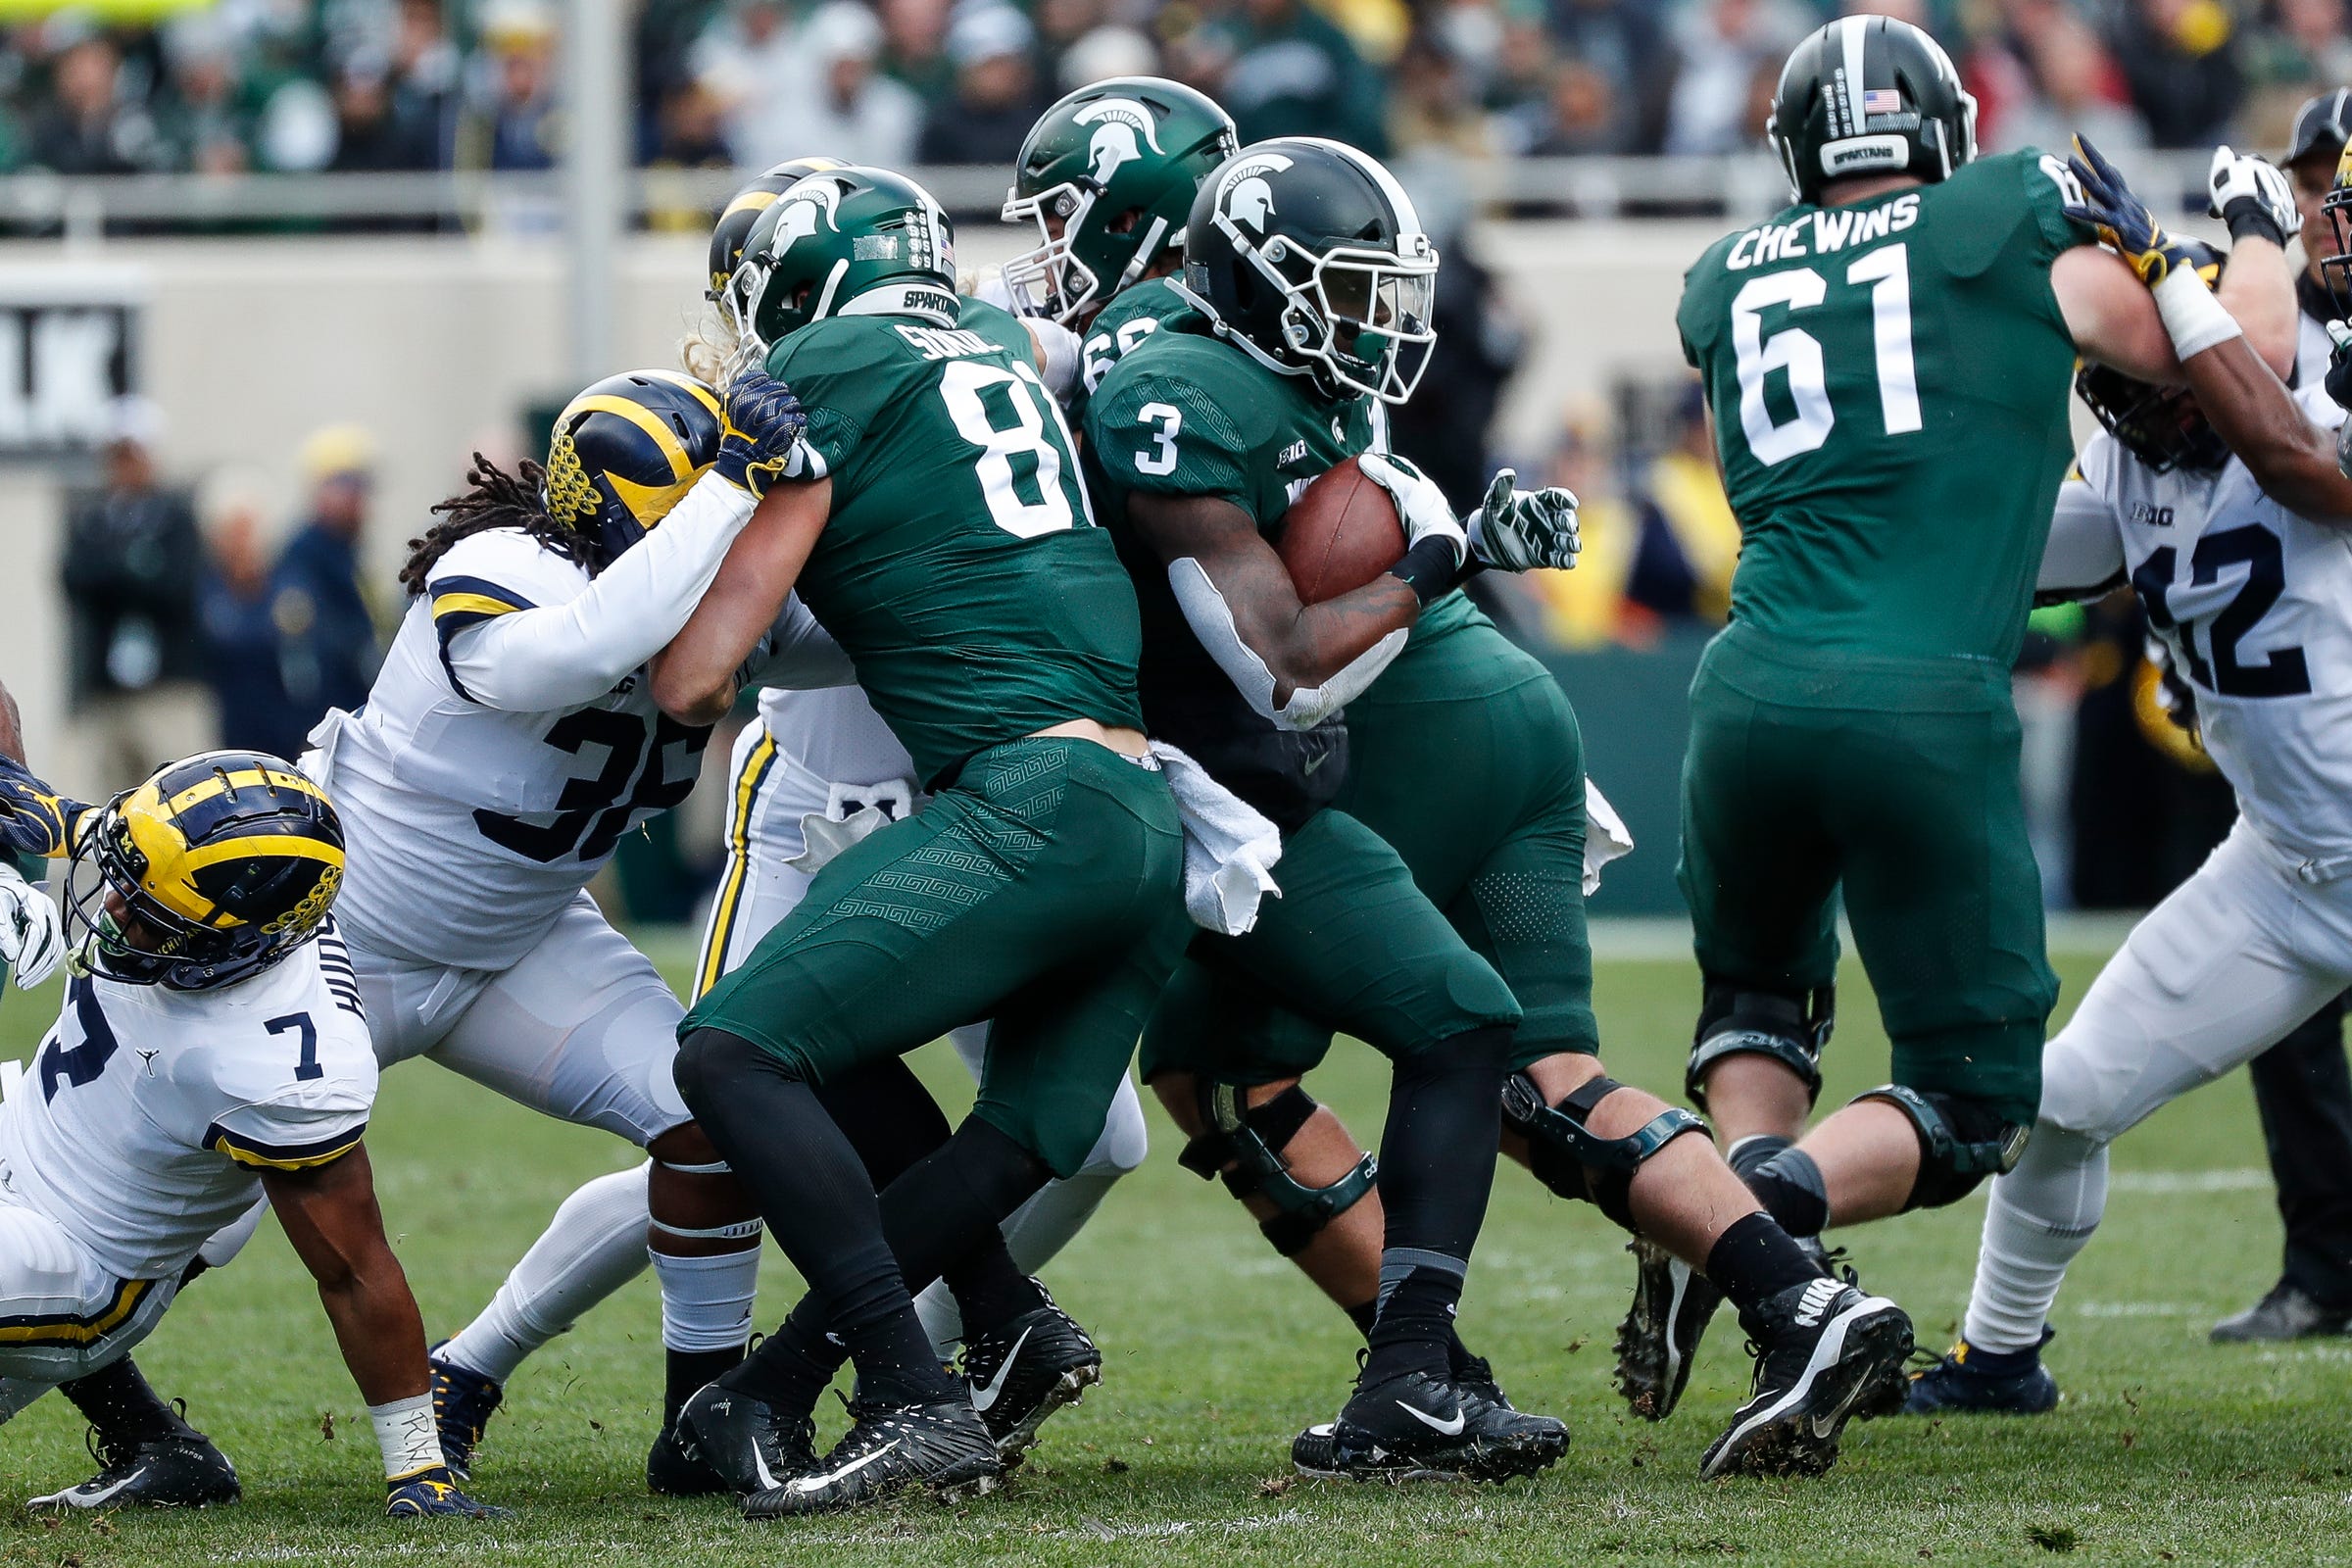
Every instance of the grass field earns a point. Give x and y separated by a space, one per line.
2165 1449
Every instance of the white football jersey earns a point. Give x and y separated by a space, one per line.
834 734
470 828
142 1124
2255 605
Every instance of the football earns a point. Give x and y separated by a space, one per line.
1341 532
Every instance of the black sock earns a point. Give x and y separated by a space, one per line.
1363 1315
1789 1186
887 1117
685 1372
895 1124
792 1367
1753 1150
1754 1260
816 1196
943 1219
1414 1332
1436 1174
117 1401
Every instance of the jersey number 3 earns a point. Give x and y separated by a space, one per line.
1887 272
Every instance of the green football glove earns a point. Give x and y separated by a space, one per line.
2120 219
1516 532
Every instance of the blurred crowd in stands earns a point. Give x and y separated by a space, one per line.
423 84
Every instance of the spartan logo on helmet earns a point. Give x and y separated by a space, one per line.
1244 196
1118 123
818 196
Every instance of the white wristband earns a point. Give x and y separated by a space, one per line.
2192 315
405 1431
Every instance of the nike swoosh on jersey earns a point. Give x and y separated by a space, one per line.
987 1393
1449 1429
807 1484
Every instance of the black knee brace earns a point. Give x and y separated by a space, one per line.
1961 1142
1789 1029
1574 1162
1244 1147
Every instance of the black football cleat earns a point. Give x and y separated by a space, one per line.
175 1469
889 1448
1421 1428
746 1445
464 1401
1970 1380
1024 1370
1821 1345
671 1473
2286 1313
1673 1304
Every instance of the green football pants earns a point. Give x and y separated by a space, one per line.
1897 781
1043 889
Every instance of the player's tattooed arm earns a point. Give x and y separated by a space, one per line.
694 678
330 1216
1297 664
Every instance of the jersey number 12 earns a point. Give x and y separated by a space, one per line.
1886 272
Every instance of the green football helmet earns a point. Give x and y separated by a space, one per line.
847 241
1114 164
743 210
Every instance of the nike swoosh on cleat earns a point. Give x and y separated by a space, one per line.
987 1393
806 1485
1450 1429
86 1497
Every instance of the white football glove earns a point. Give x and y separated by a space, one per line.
2246 186
1515 532
1420 505
32 935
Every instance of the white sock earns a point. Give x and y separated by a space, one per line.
2041 1214
707 1301
593 1246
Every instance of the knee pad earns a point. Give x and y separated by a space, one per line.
1961 1142
1244 1147
1567 1157
1789 1029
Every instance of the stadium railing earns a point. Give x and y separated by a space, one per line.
41 205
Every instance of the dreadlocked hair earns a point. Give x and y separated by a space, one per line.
497 500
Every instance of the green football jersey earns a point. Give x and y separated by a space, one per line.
960 570
1132 314
1184 415
1889 384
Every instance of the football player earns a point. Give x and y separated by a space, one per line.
1852 728
940 535
211 1053
1498 848
2302 1087
1308 280
1108 173
509 742
2223 505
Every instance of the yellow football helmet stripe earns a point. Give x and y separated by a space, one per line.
681 465
171 868
750 201
217 784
